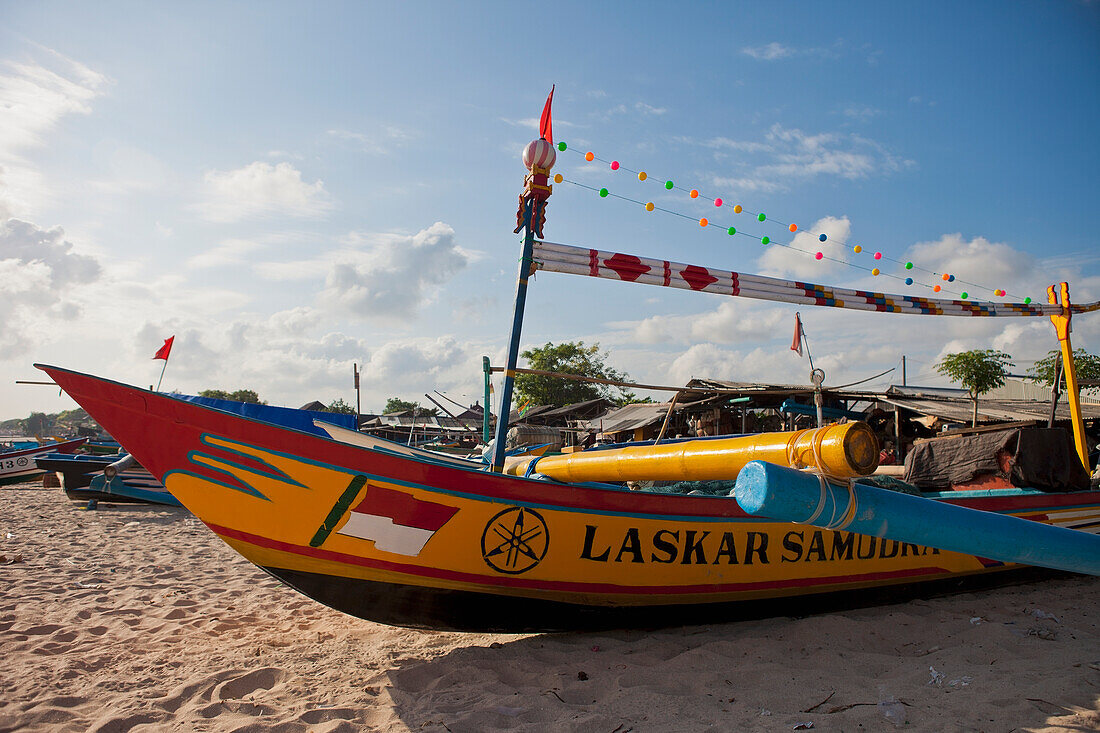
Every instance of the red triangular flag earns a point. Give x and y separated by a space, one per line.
796 343
163 351
545 130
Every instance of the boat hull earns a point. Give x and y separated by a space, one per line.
422 543
19 466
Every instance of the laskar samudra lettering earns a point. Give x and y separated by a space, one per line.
707 547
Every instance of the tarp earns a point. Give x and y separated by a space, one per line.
1039 458
287 417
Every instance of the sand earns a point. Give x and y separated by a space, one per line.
139 618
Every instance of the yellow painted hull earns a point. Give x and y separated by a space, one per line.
418 541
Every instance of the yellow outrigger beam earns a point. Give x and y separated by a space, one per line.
843 451
1062 327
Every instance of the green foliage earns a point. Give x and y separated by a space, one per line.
338 405
41 423
241 395
396 404
629 398
568 358
979 370
1085 364
38 423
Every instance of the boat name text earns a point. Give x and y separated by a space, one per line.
706 547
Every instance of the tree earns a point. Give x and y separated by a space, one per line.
568 358
38 423
979 370
1085 364
396 404
338 405
241 395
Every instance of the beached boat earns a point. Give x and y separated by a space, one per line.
74 470
398 535
17 466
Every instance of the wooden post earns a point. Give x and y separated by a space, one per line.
358 408
1073 396
898 453
485 419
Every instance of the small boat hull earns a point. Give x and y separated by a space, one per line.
19 466
413 542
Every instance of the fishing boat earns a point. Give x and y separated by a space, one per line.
17 466
404 536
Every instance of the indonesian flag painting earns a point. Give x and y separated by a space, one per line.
796 343
397 522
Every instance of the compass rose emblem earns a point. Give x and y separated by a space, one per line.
515 540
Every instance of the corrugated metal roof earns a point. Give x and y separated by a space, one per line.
956 410
630 417
587 405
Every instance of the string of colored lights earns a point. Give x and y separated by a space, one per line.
670 185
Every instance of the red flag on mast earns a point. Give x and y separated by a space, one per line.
796 343
163 351
545 130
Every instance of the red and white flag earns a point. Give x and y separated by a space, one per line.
397 522
163 351
796 343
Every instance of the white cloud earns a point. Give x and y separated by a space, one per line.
228 252
775 51
861 113
289 359
649 109
379 142
393 275
800 155
34 98
990 264
129 169
38 269
260 189
733 321
798 260
787 156
769 52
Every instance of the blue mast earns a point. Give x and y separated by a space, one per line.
539 157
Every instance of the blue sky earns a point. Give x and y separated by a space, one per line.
291 188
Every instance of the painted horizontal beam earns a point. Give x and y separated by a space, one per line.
565 258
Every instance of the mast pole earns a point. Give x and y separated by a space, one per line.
525 262
538 157
1061 323
161 374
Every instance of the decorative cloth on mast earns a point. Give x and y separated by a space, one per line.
539 157
796 343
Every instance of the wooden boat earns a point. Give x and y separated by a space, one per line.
401 536
17 466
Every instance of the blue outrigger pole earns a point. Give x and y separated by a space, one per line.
539 157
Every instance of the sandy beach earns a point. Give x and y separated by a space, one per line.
139 618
